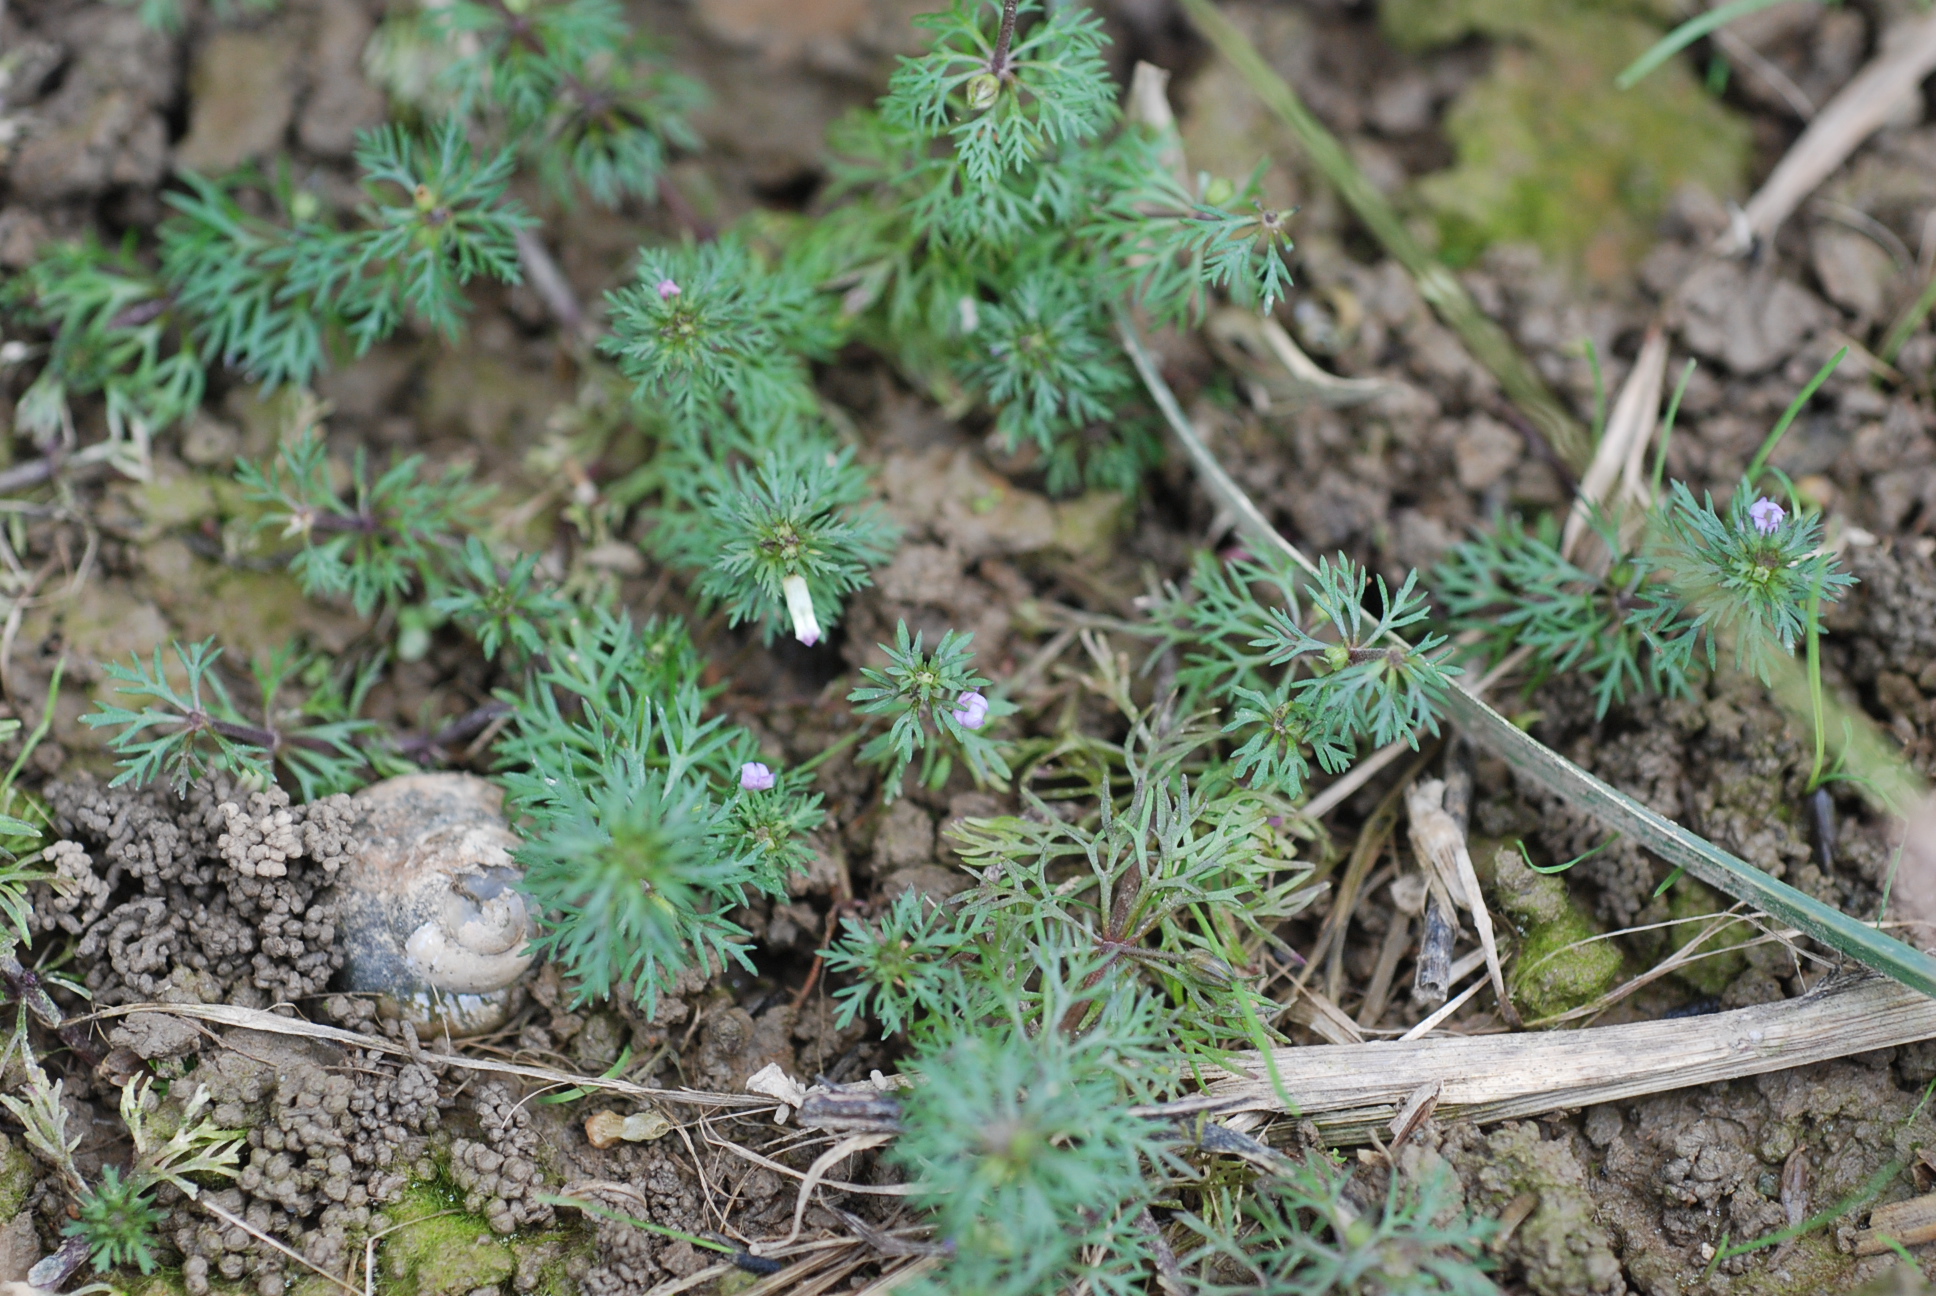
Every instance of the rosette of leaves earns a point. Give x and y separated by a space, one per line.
795 516
720 338
919 692
1022 1143
634 879
1747 583
395 532
1373 683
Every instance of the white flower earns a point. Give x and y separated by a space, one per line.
806 628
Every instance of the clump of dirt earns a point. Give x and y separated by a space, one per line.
1885 638
1517 1172
226 892
1677 1176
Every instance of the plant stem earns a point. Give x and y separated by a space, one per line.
1795 407
1815 683
998 65
1667 430
1915 315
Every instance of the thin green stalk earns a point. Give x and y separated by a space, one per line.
1686 34
1437 285
1599 392
1815 701
1674 844
834 748
620 1217
1561 868
1667 429
1861 1197
39 732
1795 407
1911 320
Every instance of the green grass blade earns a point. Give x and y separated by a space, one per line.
1686 34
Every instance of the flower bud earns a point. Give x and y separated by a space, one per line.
806 628
668 290
982 91
1219 191
755 777
971 710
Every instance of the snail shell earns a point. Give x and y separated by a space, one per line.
432 917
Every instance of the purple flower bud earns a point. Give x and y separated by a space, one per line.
755 777
1767 516
668 290
971 710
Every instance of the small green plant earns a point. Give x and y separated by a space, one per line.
1296 1234
394 533
268 297
902 964
649 822
115 1214
579 92
1179 880
1750 577
1678 579
1620 629
118 1221
185 731
720 338
636 877
1383 689
1022 1143
782 542
936 710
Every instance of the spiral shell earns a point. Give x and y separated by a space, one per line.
432 917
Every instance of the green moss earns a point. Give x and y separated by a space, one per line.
1553 972
437 1254
16 1177
1420 24
1694 906
1550 151
1562 1245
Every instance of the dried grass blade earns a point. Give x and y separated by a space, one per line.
1856 112
1440 846
1352 1091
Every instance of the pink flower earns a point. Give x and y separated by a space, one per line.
971 710
755 777
668 290
1767 516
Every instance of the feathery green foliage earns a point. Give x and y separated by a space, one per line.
1021 1145
268 298
579 93
927 697
786 539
